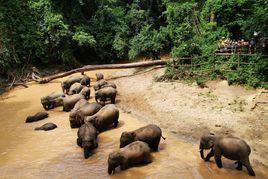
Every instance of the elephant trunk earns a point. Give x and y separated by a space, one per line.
86 152
110 169
96 98
201 153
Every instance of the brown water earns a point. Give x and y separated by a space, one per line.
25 153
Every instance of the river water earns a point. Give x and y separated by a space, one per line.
25 153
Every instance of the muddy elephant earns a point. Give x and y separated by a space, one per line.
85 92
109 84
151 134
137 152
47 127
79 104
99 76
75 88
37 117
52 100
99 84
105 117
69 101
83 80
87 138
76 117
104 94
232 148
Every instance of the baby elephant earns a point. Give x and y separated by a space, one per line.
70 101
106 93
105 117
99 76
87 138
135 153
76 117
37 117
47 127
99 84
232 148
151 134
75 88
85 92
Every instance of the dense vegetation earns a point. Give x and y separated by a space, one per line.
66 32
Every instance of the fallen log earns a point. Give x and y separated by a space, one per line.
105 66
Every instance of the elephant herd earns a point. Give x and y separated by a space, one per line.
135 146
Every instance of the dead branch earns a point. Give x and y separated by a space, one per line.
106 66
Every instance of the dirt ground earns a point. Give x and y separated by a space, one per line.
188 111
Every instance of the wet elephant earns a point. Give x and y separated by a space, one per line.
85 81
99 76
106 93
99 84
37 117
85 92
109 84
66 84
137 152
79 104
47 127
70 101
50 101
75 88
87 138
232 148
151 134
105 117
76 117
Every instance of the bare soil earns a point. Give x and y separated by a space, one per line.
188 111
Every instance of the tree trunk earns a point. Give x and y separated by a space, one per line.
105 66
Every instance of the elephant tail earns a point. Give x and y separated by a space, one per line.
163 137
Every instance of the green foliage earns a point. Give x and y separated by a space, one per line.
63 32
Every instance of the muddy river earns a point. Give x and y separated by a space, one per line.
25 153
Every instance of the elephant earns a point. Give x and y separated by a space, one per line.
151 134
99 76
70 101
50 101
37 117
75 88
65 85
79 104
85 81
99 83
87 138
47 127
109 84
105 117
85 92
106 93
137 152
232 148
76 117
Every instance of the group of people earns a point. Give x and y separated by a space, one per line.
227 45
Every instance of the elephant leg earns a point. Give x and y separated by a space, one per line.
239 165
246 163
79 142
156 144
113 100
210 154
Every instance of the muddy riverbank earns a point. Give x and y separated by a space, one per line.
25 153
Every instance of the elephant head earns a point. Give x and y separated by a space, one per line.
114 160
206 142
126 138
88 145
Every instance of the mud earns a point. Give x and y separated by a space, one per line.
25 153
